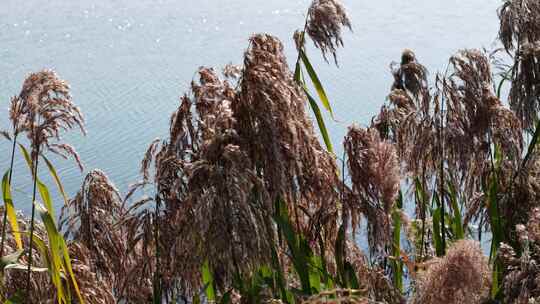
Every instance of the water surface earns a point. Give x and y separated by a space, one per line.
129 61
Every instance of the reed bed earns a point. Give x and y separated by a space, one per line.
242 203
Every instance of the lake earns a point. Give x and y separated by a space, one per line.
129 61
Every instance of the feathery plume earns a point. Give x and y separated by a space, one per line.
462 276
90 218
520 32
475 120
43 109
374 169
279 138
215 207
410 75
326 18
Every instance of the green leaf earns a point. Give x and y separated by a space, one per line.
27 157
320 122
397 264
339 253
46 197
208 281
532 144
351 276
457 226
60 259
298 74
439 250
17 298
56 178
316 82
315 280
10 210
10 258
298 247
55 268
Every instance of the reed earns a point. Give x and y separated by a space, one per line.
246 205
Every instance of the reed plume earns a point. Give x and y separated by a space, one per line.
95 288
477 125
325 21
279 138
45 110
215 207
410 118
520 33
90 221
374 169
521 275
462 276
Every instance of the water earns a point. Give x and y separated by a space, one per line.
129 61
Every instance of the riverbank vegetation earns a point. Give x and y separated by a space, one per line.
245 204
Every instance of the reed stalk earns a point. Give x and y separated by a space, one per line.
35 162
4 218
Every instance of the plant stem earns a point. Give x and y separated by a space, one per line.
4 220
157 278
441 190
35 167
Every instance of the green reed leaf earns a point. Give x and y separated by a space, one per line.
208 281
397 264
56 178
10 210
320 122
316 82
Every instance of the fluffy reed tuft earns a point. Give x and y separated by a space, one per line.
326 18
520 32
90 221
409 120
476 121
462 276
279 138
521 275
215 206
43 109
374 169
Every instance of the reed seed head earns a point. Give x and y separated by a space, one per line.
326 19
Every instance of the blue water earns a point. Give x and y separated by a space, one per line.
129 61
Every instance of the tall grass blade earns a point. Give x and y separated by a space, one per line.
397 264
10 210
56 178
316 82
320 122
456 222
437 240
208 282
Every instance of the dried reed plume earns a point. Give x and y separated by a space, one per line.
410 119
279 138
325 21
44 109
410 75
462 276
374 169
521 275
215 206
520 31
90 221
519 23
94 287
476 120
